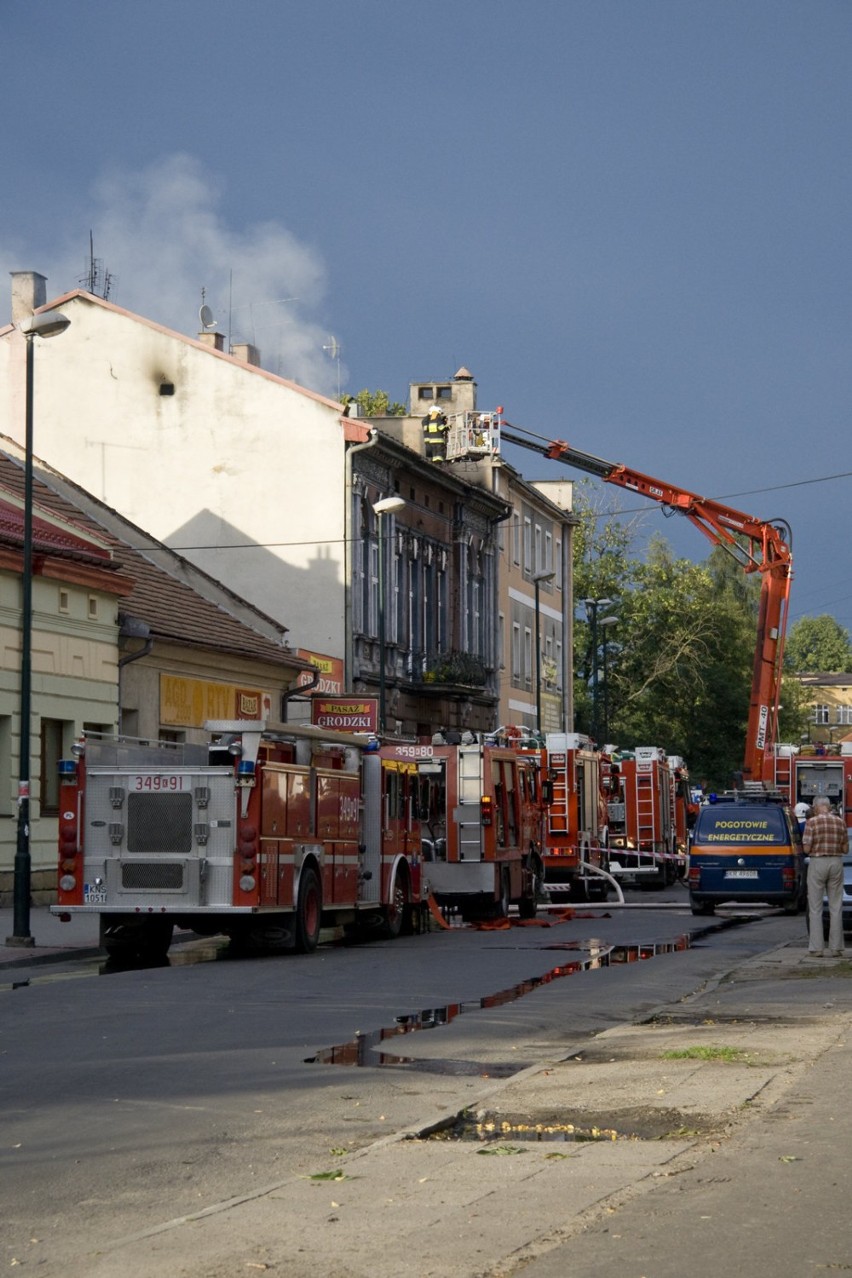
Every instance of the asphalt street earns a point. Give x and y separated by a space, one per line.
713 1075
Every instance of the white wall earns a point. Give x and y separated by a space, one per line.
235 458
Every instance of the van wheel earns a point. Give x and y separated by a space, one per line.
702 907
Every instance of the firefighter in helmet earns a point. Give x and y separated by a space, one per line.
435 434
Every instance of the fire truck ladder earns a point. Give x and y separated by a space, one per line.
470 794
645 812
782 773
557 811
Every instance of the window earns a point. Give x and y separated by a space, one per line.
528 661
844 714
557 580
538 560
373 594
527 544
516 537
393 606
820 714
63 601
516 652
53 741
93 608
444 392
7 805
425 392
548 551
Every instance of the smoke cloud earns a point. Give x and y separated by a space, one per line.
162 240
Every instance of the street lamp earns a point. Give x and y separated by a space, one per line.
606 621
44 324
537 580
387 506
592 606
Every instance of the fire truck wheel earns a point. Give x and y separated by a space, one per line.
397 915
308 918
579 890
528 905
501 905
128 941
598 888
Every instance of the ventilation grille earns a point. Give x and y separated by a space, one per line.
144 876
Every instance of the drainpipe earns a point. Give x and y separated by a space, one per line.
132 628
299 691
348 641
568 628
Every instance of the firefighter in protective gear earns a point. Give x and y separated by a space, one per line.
435 434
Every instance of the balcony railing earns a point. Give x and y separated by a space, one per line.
457 668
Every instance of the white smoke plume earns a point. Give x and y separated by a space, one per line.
162 241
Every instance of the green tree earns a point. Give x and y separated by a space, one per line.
818 644
680 661
603 569
375 404
683 681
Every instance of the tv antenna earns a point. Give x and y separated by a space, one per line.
96 280
333 352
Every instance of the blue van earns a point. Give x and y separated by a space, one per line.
745 846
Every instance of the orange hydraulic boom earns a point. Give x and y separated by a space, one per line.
758 545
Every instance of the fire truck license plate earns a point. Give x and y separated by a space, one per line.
741 874
94 896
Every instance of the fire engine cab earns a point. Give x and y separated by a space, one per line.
266 835
643 834
801 775
480 805
576 855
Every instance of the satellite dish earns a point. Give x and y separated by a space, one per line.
206 317
333 348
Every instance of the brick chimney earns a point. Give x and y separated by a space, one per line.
29 291
215 340
246 352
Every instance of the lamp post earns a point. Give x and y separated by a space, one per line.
537 580
45 324
387 506
592 606
606 621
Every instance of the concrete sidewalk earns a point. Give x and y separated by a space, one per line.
725 1126
53 940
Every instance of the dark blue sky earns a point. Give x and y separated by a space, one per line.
629 218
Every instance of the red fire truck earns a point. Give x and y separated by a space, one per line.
481 805
801 774
266 835
685 804
575 818
643 818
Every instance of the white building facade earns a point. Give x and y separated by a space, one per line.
237 469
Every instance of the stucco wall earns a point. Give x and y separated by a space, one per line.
241 472
74 680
